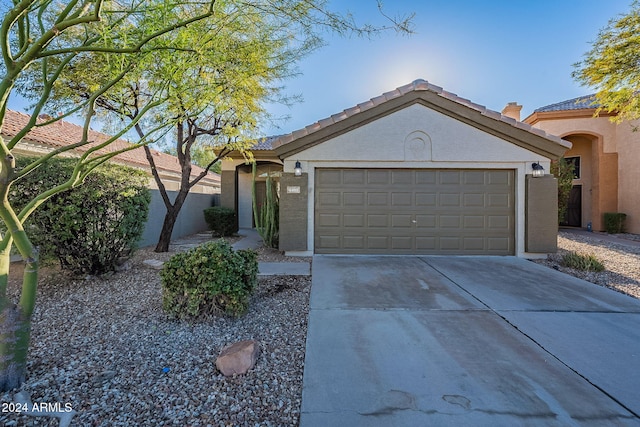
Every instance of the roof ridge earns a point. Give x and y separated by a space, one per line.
415 86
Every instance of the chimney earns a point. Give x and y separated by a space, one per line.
512 110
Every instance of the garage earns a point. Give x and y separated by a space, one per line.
414 211
418 170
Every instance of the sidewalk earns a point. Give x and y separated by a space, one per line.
251 240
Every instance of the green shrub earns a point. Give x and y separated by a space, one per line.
209 279
88 228
614 222
222 221
578 261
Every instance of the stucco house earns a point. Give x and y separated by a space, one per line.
44 139
417 170
605 155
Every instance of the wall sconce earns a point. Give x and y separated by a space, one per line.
297 171
538 170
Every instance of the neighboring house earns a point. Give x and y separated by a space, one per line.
42 140
417 170
605 155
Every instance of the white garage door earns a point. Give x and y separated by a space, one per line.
414 211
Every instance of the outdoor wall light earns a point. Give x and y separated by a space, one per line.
538 170
297 171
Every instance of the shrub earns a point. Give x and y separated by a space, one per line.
614 222
88 228
578 261
222 221
209 279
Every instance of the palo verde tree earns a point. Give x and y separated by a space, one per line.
217 83
50 39
612 66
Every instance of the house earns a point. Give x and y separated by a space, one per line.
605 156
44 139
417 170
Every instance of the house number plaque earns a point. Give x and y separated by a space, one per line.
293 189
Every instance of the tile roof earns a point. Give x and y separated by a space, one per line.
586 102
265 144
62 133
415 86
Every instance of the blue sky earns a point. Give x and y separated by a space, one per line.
491 52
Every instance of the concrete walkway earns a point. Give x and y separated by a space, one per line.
252 240
467 341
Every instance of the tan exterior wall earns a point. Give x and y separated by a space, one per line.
614 163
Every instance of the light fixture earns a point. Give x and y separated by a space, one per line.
297 171
538 170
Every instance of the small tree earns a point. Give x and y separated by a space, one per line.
48 40
217 85
611 67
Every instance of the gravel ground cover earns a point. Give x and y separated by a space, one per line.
104 347
622 261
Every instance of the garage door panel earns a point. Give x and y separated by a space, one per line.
405 211
377 199
354 199
377 220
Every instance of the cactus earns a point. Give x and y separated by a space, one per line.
267 219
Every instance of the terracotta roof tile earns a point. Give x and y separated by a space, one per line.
417 85
62 133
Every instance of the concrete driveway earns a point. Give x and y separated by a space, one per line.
466 341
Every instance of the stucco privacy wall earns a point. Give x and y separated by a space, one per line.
418 137
190 221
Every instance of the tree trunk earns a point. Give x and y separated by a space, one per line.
170 221
15 332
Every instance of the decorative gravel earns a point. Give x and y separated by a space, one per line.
104 348
620 258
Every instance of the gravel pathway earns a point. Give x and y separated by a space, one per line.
104 347
622 261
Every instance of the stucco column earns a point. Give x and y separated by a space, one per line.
293 212
541 214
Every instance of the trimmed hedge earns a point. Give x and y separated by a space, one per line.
211 278
614 222
91 227
222 221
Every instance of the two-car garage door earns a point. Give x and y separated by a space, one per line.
414 211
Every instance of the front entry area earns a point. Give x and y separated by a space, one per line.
414 211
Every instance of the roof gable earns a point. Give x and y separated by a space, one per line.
430 96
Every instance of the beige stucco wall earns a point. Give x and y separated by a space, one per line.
418 137
617 143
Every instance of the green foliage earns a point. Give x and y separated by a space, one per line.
267 215
563 171
614 222
588 262
221 220
90 228
611 66
209 279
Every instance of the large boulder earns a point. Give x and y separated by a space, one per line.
238 358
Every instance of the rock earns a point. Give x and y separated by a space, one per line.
153 263
238 358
